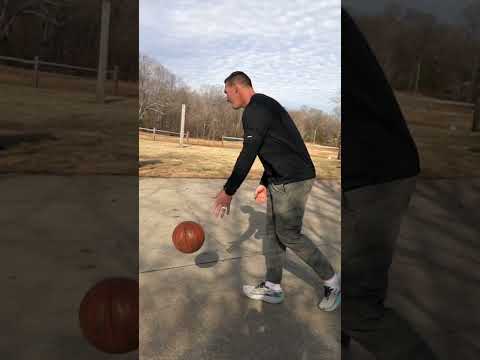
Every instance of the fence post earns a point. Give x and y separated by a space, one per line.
182 125
103 52
35 67
188 136
417 78
115 80
154 132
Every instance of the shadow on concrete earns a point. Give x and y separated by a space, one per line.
431 274
255 230
204 315
206 259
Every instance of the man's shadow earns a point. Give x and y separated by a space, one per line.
257 231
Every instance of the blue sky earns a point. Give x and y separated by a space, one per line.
289 48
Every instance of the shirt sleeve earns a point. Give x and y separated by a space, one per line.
256 121
263 180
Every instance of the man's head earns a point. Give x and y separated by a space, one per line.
238 89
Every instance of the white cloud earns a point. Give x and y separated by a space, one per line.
290 48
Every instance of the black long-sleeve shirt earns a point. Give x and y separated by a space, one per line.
270 134
376 144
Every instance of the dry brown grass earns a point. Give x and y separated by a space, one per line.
77 135
447 154
209 159
74 123
425 111
445 151
49 80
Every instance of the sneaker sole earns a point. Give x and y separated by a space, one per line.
268 299
334 306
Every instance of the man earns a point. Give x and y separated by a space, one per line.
270 134
379 166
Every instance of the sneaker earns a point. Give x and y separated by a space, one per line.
262 292
331 299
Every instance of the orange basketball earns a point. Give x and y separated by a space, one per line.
109 315
188 237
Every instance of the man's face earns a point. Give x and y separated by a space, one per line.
233 95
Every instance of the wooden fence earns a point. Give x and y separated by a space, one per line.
36 63
156 131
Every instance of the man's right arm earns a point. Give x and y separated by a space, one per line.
257 122
263 180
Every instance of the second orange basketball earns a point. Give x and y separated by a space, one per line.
188 237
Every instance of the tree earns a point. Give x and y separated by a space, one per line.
49 11
156 88
209 115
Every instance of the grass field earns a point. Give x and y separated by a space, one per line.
49 80
209 159
56 125
441 130
66 132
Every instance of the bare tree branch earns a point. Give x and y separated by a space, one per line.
48 10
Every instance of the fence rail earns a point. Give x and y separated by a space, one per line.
9 58
156 131
326 146
230 138
36 62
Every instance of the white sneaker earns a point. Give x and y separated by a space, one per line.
331 299
262 292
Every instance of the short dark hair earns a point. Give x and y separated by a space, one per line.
238 77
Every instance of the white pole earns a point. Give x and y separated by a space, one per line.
103 57
182 126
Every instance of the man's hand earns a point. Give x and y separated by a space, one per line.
261 194
222 204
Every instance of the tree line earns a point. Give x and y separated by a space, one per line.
209 115
68 31
421 54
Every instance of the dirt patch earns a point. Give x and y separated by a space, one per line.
143 163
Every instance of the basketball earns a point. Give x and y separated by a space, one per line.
188 237
109 315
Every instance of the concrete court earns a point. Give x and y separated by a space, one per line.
59 236
434 278
191 305
55 244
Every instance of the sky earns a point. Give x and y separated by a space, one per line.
289 48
